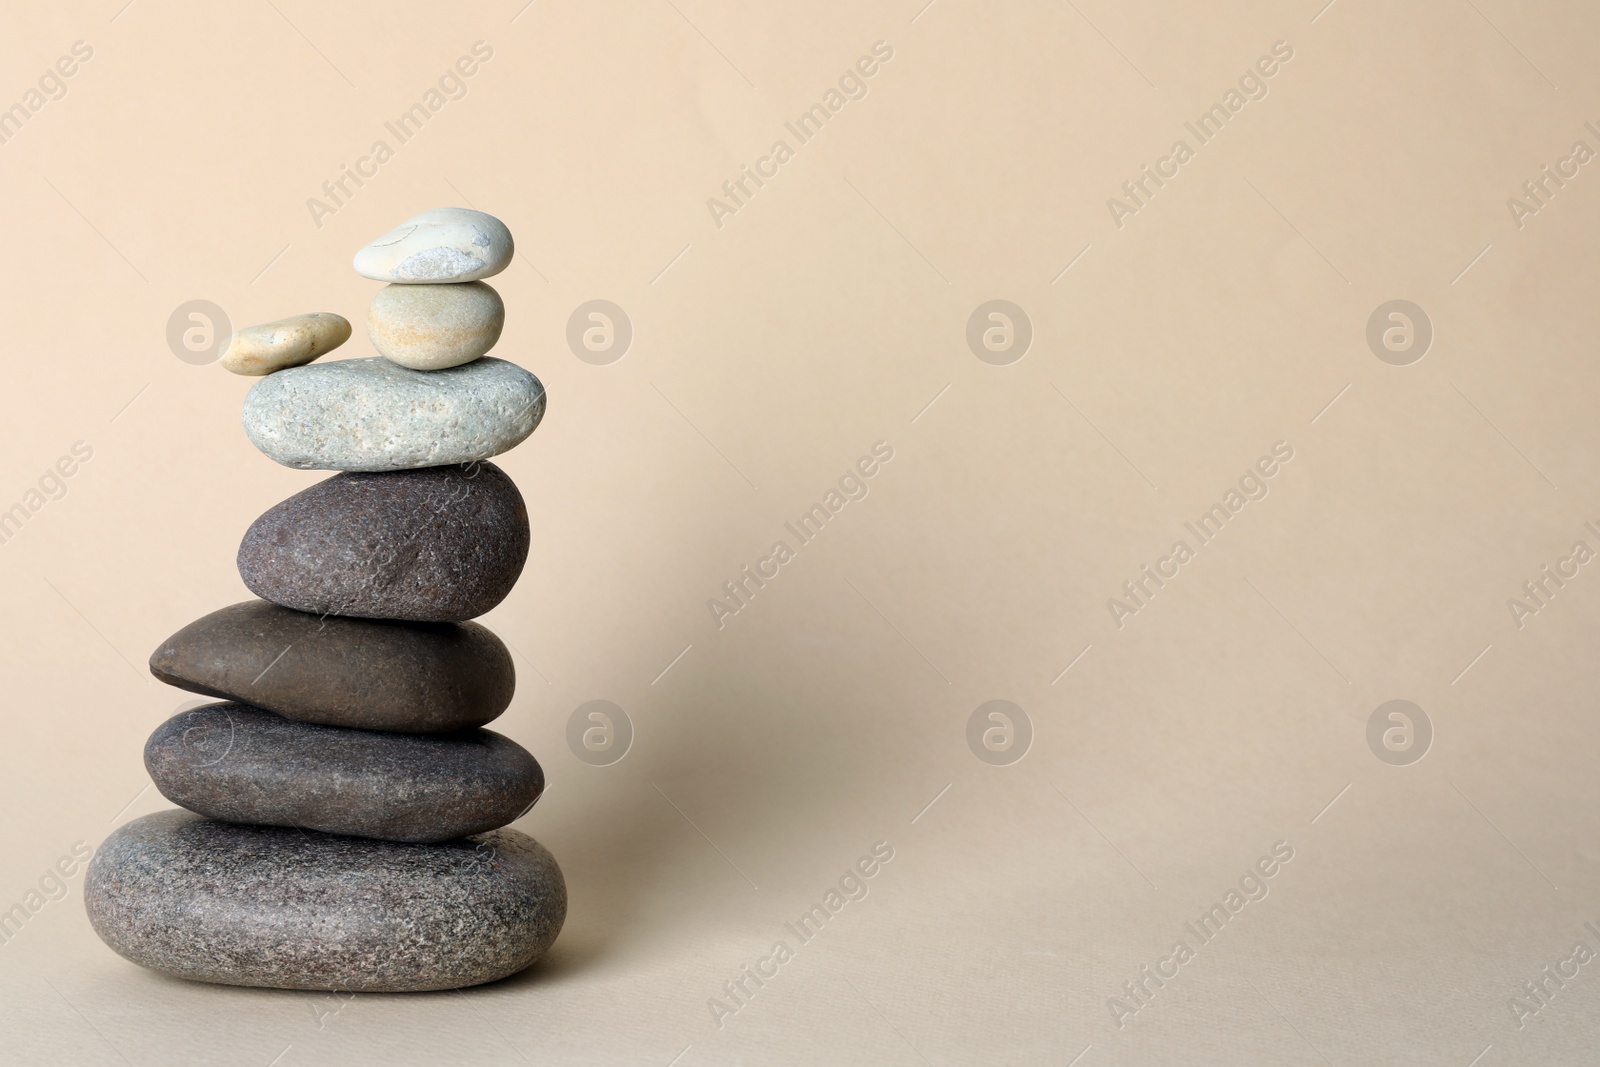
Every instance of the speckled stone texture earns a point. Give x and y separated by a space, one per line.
262 906
443 544
374 415
242 764
368 674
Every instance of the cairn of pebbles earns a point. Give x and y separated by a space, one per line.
345 807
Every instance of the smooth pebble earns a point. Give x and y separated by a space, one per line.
242 764
290 342
447 244
370 674
432 327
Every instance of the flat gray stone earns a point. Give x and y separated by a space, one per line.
263 906
375 415
447 244
237 763
443 544
370 674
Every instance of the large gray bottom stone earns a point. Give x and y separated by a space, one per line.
242 764
261 906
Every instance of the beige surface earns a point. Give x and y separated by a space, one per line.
768 355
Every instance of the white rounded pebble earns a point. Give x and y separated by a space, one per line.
447 244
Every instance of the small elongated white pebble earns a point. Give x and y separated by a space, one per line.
289 342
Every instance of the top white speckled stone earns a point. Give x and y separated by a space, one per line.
374 415
447 244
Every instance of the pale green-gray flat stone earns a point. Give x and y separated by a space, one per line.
374 415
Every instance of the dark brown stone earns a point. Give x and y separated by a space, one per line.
439 544
368 674
242 764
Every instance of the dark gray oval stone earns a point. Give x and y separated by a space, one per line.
440 544
242 764
368 674
263 906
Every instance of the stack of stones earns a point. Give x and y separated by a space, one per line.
344 804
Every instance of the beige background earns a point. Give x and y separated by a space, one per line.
768 355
